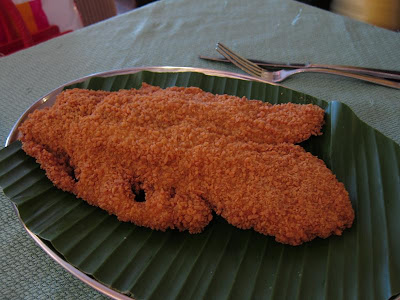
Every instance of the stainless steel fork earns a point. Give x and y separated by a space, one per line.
278 76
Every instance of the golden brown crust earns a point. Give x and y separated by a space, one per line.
191 152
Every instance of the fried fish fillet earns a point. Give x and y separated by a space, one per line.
191 152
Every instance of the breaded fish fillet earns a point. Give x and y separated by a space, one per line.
191 152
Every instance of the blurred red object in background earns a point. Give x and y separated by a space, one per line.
24 25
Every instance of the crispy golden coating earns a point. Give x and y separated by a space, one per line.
191 152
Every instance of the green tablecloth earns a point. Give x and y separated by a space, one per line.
174 33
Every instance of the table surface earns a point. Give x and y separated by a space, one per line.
174 33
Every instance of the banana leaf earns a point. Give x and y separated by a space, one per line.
223 261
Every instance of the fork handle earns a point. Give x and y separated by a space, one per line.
376 80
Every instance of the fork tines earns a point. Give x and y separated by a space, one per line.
239 61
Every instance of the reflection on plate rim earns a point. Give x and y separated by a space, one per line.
50 96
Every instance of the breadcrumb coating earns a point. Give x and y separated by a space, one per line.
192 153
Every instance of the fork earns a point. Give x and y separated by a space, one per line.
278 76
